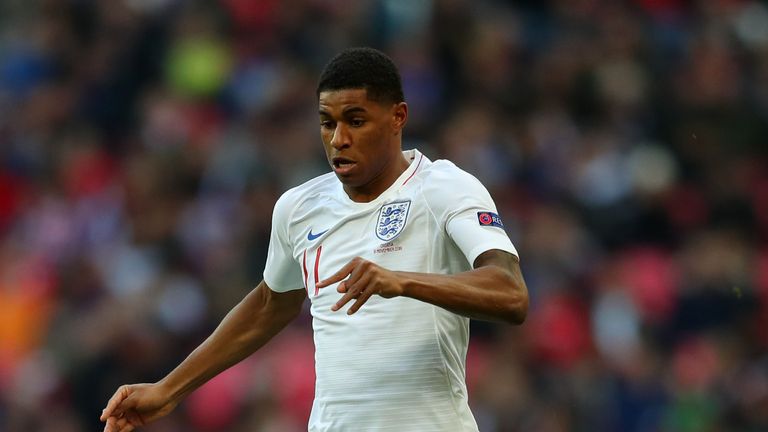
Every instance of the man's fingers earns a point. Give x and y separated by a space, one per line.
357 273
114 402
353 289
120 414
351 293
134 418
125 425
360 301
342 301
339 275
115 424
111 425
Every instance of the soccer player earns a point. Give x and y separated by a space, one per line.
395 252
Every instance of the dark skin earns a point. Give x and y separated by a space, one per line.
247 327
368 134
362 140
493 291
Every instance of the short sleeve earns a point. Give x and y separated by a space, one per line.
282 273
466 211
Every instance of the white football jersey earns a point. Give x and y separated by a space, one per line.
397 364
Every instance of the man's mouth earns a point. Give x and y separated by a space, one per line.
342 165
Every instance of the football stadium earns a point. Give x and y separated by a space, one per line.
157 160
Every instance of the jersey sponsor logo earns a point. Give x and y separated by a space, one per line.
311 236
489 219
392 218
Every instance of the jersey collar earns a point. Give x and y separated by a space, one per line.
417 162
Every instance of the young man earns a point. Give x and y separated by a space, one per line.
395 252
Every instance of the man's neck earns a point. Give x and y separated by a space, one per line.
380 183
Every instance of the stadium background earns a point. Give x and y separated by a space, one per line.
144 142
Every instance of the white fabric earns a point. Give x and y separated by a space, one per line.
397 364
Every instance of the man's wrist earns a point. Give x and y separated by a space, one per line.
172 392
407 284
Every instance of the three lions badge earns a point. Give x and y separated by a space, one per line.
392 218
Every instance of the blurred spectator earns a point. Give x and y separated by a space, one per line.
143 144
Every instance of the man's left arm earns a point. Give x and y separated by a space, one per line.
494 290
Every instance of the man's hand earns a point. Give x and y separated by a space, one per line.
135 405
365 279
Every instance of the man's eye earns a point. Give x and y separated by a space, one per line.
327 124
357 122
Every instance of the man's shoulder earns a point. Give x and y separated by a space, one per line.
443 185
442 172
293 197
321 184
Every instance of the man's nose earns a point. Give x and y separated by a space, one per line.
340 137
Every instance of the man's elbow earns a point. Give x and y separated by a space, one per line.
516 306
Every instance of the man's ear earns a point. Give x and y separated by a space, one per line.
399 116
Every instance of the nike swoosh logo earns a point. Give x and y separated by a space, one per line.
311 236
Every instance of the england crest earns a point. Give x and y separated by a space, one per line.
392 218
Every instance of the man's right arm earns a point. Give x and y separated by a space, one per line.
246 328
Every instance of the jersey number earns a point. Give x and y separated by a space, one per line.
316 266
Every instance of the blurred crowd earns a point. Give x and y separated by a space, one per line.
143 144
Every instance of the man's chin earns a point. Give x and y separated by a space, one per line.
348 180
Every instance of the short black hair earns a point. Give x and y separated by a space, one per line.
363 68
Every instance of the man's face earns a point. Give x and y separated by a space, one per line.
362 139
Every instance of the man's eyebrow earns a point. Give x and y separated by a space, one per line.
346 111
354 110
